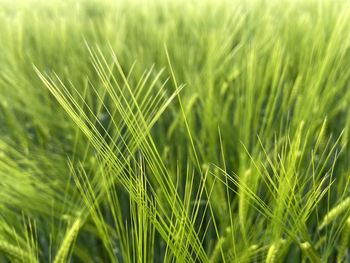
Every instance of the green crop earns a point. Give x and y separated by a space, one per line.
174 131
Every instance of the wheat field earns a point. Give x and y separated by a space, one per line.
174 131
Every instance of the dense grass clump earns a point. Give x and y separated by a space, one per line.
175 131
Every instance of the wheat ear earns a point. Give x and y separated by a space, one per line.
67 242
310 252
344 241
15 253
335 212
272 253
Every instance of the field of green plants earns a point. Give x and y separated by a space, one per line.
174 131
